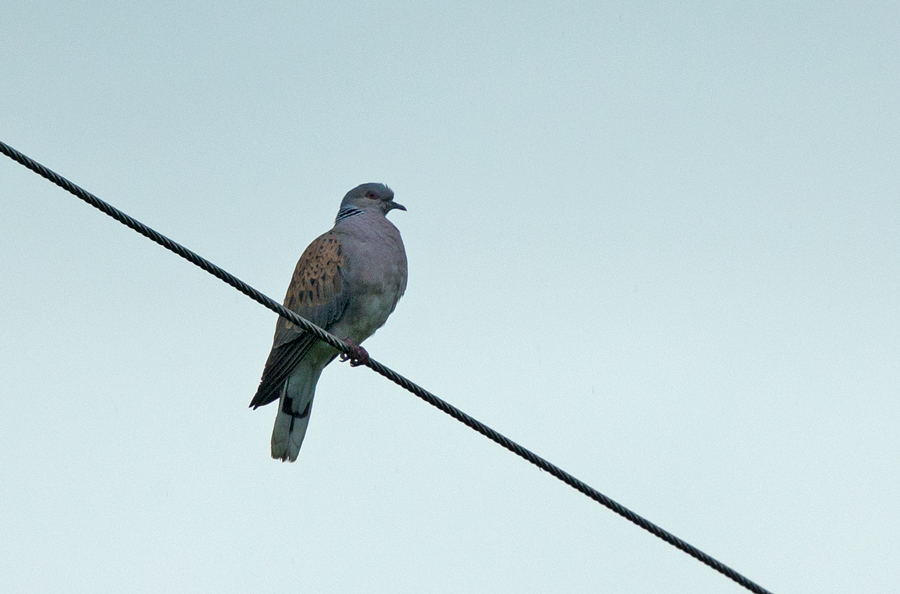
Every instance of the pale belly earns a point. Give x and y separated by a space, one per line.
364 316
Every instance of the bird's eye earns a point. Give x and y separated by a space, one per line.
371 195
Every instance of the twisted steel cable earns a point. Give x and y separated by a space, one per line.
382 370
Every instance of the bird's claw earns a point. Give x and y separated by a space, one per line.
358 355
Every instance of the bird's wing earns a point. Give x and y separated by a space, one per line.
319 293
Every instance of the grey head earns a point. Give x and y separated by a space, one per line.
367 197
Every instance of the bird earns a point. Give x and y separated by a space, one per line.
348 281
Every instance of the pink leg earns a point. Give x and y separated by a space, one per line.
358 357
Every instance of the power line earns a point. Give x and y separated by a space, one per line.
390 374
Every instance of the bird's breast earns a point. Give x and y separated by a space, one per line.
376 272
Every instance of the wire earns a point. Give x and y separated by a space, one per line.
381 369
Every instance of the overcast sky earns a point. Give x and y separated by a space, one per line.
658 245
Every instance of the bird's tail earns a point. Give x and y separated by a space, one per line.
294 409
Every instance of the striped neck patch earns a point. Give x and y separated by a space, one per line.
346 213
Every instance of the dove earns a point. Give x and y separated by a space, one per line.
348 282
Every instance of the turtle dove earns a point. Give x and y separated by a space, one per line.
348 282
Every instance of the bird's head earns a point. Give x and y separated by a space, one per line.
371 196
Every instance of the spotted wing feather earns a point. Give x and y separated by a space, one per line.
318 293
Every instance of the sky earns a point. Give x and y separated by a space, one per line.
659 245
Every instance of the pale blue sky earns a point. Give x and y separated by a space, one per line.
656 244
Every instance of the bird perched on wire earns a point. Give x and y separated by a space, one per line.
348 282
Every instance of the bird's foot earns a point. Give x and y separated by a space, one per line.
358 355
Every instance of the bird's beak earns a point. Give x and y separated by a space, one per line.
396 205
